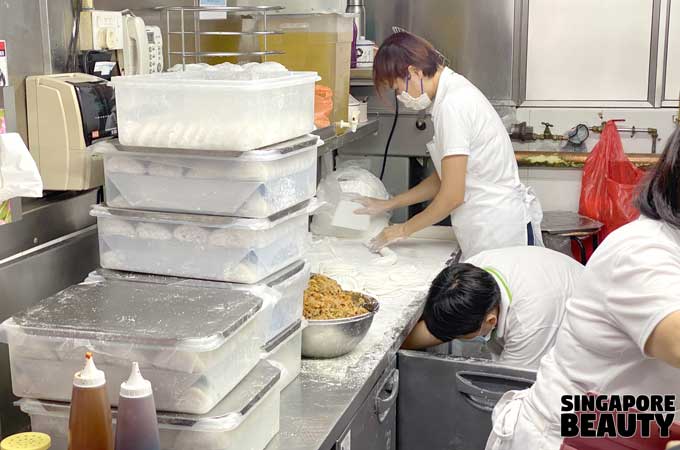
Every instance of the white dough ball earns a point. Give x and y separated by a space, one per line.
154 232
124 164
165 170
115 227
191 233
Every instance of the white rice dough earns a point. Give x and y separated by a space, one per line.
153 231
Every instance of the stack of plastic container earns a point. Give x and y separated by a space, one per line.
202 243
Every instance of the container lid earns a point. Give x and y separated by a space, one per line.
302 209
26 441
135 386
170 316
225 416
270 153
282 337
90 376
215 78
272 281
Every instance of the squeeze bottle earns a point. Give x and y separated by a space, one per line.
136 423
89 422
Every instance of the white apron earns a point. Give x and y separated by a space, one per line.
494 216
516 428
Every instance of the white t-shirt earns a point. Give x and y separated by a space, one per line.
630 284
496 206
540 281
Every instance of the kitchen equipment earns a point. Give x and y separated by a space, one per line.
206 247
66 114
256 184
194 344
248 418
365 52
286 310
336 337
316 42
154 38
357 8
434 388
286 351
211 110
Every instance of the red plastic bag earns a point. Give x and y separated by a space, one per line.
323 106
609 183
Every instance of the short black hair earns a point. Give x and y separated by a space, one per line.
459 299
659 196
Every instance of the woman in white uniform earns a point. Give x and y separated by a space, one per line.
621 330
476 180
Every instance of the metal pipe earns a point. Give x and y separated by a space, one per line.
653 132
184 57
167 36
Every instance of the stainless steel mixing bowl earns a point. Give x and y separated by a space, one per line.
336 337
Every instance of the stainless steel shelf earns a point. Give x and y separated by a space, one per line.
333 141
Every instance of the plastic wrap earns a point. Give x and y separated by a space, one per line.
255 184
347 183
210 247
190 367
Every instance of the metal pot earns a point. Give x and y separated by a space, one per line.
337 337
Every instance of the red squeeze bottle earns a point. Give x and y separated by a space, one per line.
89 422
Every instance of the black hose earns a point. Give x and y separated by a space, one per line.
389 139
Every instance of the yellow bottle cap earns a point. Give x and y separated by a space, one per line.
26 441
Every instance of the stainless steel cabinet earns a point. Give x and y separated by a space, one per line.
445 403
374 427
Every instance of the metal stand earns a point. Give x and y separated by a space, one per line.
182 13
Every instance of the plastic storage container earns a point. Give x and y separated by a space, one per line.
255 184
207 247
247 419
194 344
210 110
317 42
285 350
289 283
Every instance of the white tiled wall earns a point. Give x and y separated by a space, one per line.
557 189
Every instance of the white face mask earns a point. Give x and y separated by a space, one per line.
422 102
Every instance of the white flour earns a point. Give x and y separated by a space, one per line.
399 288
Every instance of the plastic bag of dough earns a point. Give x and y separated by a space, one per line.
19 176
346 183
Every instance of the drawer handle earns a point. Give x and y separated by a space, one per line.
390 386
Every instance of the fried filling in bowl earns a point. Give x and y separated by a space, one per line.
325 299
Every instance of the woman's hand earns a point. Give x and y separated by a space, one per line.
388 236
373 206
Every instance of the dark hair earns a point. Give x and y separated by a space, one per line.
399 51
659 196
458 301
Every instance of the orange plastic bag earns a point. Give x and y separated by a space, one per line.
323 106
609 183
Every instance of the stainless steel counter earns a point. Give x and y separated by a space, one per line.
318 407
